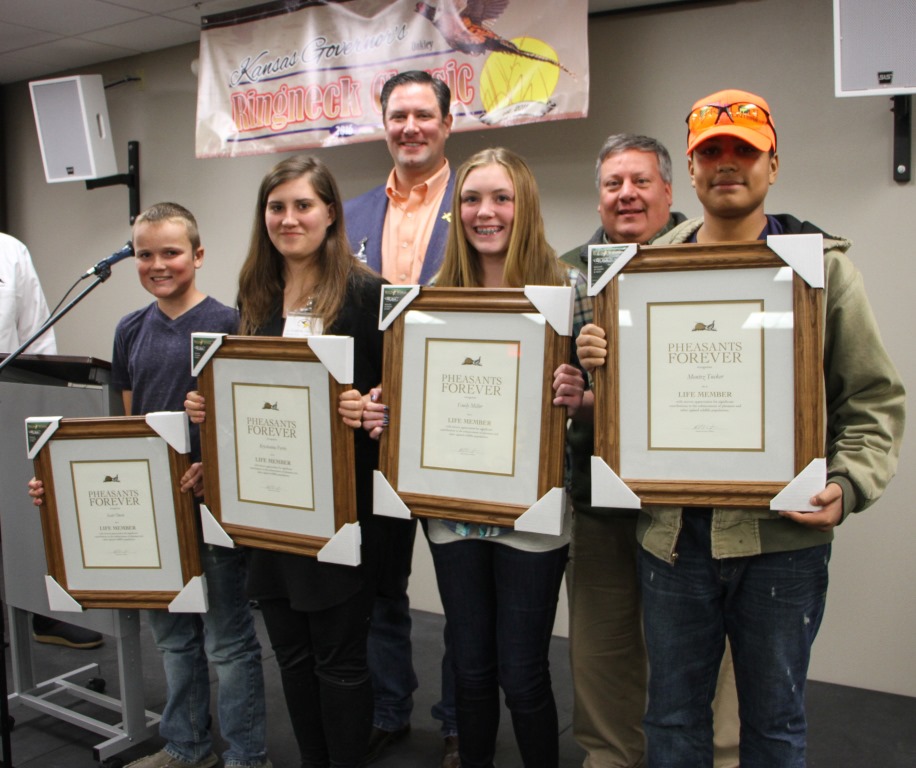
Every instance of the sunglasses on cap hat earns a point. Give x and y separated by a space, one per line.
743 114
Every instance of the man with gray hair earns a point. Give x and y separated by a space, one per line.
607 652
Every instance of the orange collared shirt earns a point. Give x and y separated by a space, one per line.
409 227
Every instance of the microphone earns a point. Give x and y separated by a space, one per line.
105 265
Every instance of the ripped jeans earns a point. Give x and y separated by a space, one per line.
770 606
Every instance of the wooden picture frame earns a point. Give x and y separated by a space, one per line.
734 468
432 420
268 494
113 513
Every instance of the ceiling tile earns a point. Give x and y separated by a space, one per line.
150 34
157 6
71 53
66 17
14 37
56 35
192 12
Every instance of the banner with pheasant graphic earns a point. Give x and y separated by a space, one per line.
294 74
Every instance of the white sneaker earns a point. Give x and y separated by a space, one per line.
163 759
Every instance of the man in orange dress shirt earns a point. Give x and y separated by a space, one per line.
399 229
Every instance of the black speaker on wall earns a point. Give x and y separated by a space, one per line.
74 134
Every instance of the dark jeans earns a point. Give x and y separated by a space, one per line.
500 605
770 606
390 650
322 658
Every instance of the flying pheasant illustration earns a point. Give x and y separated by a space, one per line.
467 31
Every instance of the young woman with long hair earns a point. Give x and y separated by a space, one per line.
499 587
316 614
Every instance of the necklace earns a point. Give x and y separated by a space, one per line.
301 301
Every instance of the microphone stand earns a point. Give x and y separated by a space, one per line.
102 274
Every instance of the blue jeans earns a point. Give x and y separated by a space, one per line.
225 636
770 606
389 647
500 604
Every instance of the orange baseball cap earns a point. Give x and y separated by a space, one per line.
731 113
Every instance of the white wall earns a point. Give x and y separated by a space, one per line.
647 68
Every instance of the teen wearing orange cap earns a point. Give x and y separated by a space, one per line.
762 580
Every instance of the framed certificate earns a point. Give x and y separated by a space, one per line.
713 391
278 460
118 532
473 434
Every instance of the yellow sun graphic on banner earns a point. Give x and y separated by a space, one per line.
507 79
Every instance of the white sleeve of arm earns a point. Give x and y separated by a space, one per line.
32 307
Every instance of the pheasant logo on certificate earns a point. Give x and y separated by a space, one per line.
470 406
115 514
707 377
273 445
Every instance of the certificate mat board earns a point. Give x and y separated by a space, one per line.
473 434
713 392
279 460
118 532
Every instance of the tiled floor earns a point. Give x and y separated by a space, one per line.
848 727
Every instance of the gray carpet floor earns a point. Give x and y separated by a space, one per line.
848 727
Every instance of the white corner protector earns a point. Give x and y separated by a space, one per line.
38 430
605 261
395 299
213 531
193 598
203 347
385 500
545 515
608 490
171 426
343 547
796 495
336 354
555 303
58 597
804 253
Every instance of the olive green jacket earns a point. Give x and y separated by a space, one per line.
865 402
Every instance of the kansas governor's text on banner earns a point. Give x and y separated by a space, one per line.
292 75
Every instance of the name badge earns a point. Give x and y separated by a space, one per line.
299 325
